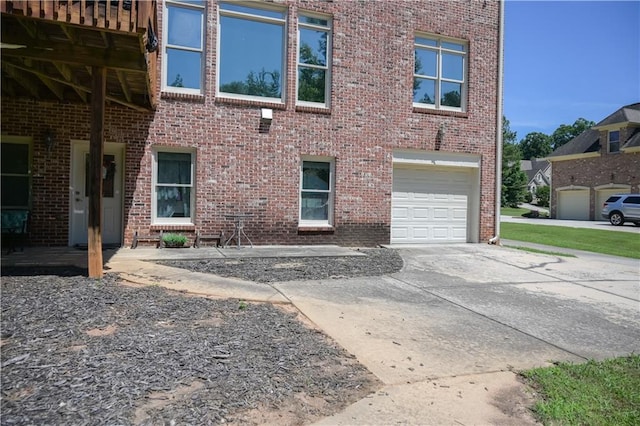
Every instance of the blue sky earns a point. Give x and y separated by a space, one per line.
569 59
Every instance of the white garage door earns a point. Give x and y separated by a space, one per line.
573 204
601 197
429 205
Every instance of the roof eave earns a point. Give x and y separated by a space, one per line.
573 156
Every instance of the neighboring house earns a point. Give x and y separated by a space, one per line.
331 122
538 173
599 162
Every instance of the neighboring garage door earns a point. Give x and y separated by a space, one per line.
429 205
601 197
573 204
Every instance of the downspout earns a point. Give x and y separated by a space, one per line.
496 238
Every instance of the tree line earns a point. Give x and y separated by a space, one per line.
533 145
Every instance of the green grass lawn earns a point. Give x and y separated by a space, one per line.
594 393
624 244
512 211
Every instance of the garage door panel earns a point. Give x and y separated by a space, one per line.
441 234
460 214
420 213
459 233
573 205
429 205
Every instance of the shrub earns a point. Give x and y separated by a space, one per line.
542 194
174 240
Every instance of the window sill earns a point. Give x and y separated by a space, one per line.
443 112
173 227
188 97
313 109
328 229
250 102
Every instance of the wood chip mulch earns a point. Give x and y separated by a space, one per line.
375 262
96 352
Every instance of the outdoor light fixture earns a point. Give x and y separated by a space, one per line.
49 140
266 114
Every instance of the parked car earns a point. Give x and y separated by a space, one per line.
621 208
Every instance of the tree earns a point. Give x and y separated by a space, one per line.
311 81
514 180
451 99
565 132
263 83
178 81
535 145
543 194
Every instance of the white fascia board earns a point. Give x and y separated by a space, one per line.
574 156
431 158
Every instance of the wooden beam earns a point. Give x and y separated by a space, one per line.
96 152
22 79
54 87
66 73
124 85
127 60
75 86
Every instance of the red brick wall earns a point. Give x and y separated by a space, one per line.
619 168
239 168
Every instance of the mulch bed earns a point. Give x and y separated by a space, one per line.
83 351
376 262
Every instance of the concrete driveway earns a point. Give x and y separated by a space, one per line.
445 334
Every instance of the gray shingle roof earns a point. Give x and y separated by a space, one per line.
587 141
633 141
630 113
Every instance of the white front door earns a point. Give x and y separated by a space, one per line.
112 172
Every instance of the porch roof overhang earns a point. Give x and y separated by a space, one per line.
48 50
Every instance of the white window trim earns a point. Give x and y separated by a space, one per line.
165 46
438 78
332 171
327 68
155 220
609 141
266 19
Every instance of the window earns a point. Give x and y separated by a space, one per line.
16 175
174 194
314 52
439 79
614 141
183 46
316 194
252 52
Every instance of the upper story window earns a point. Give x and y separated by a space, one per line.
314 53
440 70
173 181
316 191
16 174
251 61
183 46
614 141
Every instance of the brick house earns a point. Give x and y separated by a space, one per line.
599 162
330 122
538 173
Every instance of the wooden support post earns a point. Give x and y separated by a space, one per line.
96 151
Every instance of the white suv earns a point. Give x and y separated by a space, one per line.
621 208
